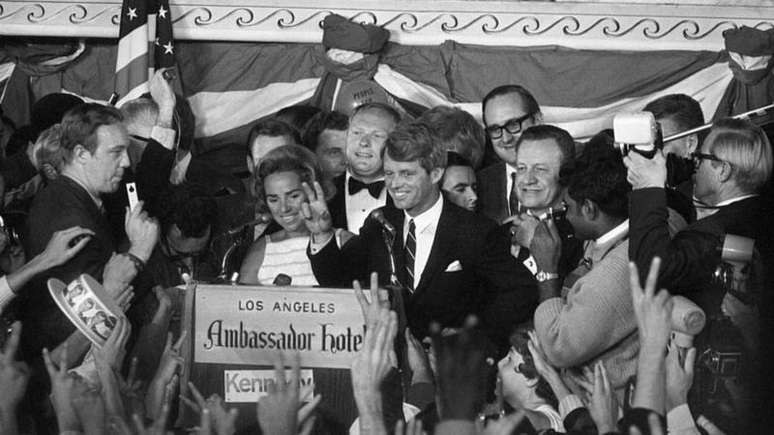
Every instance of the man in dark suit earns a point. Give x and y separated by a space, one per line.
448 259
361 189
508 111
733 164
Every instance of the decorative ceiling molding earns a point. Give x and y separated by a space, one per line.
604 25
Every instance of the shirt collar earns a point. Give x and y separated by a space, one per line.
733 200
97 200
427 218
616 233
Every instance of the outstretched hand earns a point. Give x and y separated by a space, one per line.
371 307
653 310
64 245
315 211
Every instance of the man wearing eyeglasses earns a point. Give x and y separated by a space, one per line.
732 166
508 111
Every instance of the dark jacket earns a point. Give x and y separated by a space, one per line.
491 283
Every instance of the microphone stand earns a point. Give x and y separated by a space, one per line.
395 290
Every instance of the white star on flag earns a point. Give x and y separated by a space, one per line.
132 14
168 48
156 42
162 12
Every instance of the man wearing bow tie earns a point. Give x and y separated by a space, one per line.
361 189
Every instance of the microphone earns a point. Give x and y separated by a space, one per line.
378 214
263 218
282 280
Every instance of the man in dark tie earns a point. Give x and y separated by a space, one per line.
444 256
508 111
361 189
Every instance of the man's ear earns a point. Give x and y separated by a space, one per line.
436 175
692 143
589 210
81 154
726 171
250 164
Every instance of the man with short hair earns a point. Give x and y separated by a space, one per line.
508 111
677 113
595 320
95 145
267 135
326 135
361 189
733 164
459 182
445 256
458 132
545 156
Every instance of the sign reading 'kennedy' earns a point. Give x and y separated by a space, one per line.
249 324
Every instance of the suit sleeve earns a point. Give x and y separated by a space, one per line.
682 257
153 170
510 294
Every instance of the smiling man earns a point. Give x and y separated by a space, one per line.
361 189
444 255
508 111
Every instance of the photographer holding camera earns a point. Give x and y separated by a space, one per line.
732 165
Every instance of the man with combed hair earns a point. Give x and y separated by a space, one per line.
458 132
445 257
732 166
508 111
361 188
94 141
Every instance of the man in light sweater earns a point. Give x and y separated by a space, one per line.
592 318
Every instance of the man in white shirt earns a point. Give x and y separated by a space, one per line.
444 255
361 189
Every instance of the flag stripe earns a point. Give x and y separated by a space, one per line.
217 112
132 46
132 77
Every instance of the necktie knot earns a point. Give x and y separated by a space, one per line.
374 189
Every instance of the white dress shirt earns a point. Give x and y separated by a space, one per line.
360 205
425 226
509 171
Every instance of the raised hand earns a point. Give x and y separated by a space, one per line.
546 246
164 95
653 310
644 172
61 389
165 376
13 379
212 411
315 211
603 404
417 360
142 231
112 353
545 369
379 299
118 273
679 376
278 412
59 249
89 407
461 366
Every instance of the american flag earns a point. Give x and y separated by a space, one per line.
145 43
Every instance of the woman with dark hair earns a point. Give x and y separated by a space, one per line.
279 190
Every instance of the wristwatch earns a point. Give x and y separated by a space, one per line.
543 276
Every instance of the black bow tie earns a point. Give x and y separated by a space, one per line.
375 188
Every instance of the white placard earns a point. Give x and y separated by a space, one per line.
247 386
250 324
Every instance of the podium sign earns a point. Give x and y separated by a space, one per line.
250 324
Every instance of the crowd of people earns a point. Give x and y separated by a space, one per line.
519 280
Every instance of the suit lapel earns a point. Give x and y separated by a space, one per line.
443 242
337 206
500 191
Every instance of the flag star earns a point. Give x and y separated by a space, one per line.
162 12
132 14
156 42
168 48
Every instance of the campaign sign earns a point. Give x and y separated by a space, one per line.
250 324
247 386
